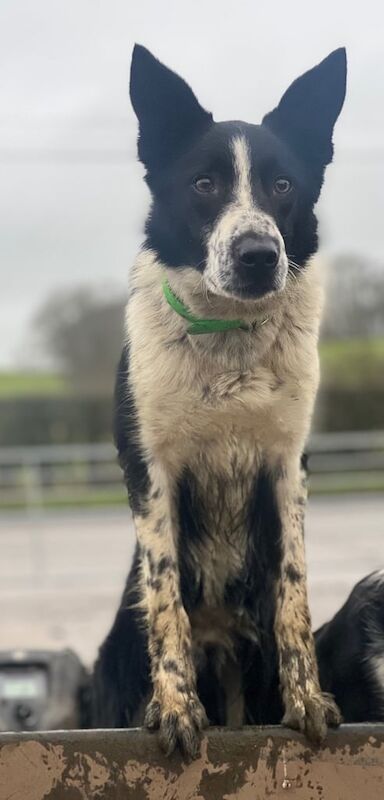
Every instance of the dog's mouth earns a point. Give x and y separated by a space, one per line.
254 290
235 287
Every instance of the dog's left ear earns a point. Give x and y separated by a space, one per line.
169 114
307 112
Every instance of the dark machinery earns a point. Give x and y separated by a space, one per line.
42 690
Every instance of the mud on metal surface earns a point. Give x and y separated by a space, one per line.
247 764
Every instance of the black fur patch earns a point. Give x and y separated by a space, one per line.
293 575
165 563
121 678
126 428
191 525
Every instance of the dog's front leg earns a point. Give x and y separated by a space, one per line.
175 708
306 707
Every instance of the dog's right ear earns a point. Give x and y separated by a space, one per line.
169 115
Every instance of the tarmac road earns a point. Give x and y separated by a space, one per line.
61 574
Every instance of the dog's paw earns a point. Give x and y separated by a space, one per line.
179 725
312 714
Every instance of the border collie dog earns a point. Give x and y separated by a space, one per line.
215 392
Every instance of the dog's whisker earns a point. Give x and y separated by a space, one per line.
293 263
294 266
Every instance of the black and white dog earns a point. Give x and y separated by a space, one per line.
215 392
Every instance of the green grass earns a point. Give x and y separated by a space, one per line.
18 384
319 485
346 483
353 363
345 364
91 499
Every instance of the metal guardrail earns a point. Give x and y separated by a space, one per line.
246 764
34 477
346 461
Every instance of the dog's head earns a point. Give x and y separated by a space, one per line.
235 200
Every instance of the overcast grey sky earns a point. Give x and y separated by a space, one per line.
72 202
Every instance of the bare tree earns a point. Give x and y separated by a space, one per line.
355 299
82 331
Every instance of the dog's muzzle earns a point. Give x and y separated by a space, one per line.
258 266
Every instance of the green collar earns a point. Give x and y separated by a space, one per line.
203 325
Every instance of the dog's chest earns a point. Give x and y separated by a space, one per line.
214 502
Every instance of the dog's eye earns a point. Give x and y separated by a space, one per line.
282 185
204 184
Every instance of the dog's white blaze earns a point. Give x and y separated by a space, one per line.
240 216
242 167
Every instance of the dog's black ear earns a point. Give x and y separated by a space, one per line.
168 112
308 110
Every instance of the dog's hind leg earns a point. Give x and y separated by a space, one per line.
121 676
306 707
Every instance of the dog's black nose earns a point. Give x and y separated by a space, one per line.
257 251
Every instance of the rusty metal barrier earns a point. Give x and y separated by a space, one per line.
247 764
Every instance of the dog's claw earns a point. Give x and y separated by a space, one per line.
312 715
178 727
152 716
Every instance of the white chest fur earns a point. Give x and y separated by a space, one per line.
248 392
